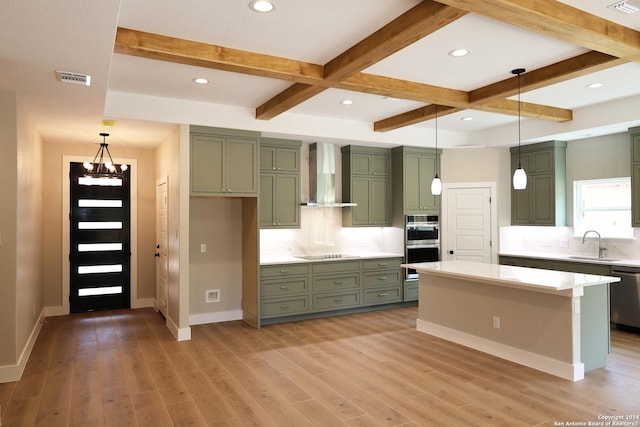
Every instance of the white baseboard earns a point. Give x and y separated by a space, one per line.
56 310
143 303
10 373
573 372
221 316
180 334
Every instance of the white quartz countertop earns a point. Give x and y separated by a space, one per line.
291 259
576 258
548 281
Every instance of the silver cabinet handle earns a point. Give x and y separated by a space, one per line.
383 264
382 278
285 271
284 288
382 295
284 307
338 300
338 283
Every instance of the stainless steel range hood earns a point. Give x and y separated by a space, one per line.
322 176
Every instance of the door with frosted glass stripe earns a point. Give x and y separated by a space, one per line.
100 241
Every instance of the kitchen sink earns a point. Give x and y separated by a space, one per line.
592 258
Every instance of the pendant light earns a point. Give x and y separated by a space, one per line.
519 175
436 184
102 164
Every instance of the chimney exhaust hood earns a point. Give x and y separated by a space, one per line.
322 176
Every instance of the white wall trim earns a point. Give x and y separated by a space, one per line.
215 317
143 303
573 372
66 160
10 373
180 334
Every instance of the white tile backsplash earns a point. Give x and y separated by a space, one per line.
561 240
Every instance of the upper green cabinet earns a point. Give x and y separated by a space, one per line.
634 135
223 164
413 171
366 181
279 183
543 201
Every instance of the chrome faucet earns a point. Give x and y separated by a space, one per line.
600 248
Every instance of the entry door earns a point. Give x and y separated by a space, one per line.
162 272
100 251
468 224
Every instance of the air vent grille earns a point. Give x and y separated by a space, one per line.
627 7
75 78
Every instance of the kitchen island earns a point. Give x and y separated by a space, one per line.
553 321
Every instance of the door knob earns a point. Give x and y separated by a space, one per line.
450 252
157 254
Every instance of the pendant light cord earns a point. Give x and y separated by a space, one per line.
519 137
436 140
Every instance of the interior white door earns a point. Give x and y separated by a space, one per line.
161 246
468 224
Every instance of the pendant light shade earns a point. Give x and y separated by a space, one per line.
436 184
519 179
519 175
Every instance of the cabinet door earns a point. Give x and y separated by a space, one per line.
207 158
542 199
380 202
427 171
635 194
287 200
360 193
241 159
287 159
412 185
521 206
267 199
267 158
380 165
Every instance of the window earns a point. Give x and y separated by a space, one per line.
603 205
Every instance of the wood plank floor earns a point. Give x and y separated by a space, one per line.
124 368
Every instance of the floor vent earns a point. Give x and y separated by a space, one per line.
75 78
626 6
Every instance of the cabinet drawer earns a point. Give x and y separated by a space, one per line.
336 300
335 267
383 295
374 264
384 277
282 287
283 270
284 306
335 282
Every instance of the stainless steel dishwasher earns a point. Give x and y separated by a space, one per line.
625 297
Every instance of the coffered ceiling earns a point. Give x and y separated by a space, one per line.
286 72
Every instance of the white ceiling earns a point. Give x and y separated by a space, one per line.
147 97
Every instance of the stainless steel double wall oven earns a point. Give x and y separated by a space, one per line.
422 241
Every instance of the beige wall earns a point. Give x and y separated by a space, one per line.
8 211
481 165
52 164
29 280
216 222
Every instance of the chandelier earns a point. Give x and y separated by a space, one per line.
102 164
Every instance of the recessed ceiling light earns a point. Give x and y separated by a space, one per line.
346 102
391 98
466 119
201 81
594 85
262 6
459 52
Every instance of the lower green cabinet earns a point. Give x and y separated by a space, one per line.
302 290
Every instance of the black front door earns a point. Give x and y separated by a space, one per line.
99 242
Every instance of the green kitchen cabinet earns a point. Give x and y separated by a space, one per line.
279 183
223 165
366 181
543 201
413 170
284 290
382 281
634 135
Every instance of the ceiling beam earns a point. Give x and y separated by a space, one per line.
560 21
491 98
418 22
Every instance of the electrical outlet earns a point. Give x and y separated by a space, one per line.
203 248
496 322
212 295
